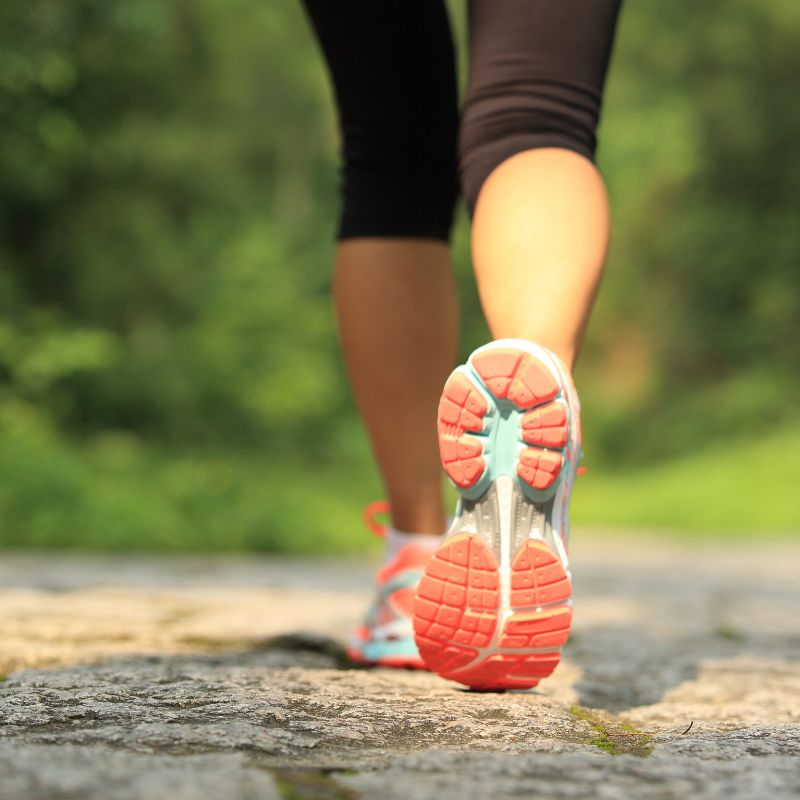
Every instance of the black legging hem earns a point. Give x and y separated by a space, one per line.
536 76
416 228
491 158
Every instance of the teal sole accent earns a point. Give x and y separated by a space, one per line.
400 648
502 442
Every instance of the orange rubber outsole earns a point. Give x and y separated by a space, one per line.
521 379
461 631
469 626
394 662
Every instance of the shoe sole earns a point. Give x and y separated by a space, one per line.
394 662
492 609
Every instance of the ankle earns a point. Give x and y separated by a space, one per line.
396 540
416 516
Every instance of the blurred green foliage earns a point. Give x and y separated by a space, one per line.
169 375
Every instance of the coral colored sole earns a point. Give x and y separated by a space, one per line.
493 609
517 382
461 629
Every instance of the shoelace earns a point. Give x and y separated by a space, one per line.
372 510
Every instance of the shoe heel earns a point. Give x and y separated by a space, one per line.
464 634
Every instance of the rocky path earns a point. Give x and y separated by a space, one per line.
185 678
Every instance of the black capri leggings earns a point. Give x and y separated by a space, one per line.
536 75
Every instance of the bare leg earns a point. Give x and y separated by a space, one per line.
539 241
397 314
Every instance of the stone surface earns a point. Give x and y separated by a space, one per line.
226 677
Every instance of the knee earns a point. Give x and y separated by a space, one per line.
498 124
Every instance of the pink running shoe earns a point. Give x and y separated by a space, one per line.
386 638
493 608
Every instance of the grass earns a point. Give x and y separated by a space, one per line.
311 784
118 493
739 488
612 736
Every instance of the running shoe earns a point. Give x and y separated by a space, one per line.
493 608
386 637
